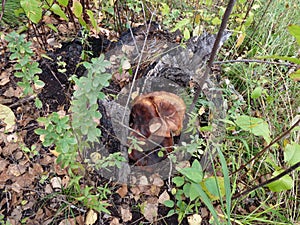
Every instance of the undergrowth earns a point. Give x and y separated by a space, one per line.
263 102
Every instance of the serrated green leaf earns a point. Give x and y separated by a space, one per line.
32 9
58 11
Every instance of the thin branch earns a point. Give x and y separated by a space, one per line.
253 61
213 52
268 146
287 171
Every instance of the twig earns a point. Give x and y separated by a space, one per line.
267 147
2 11
213 52
253 61
22 100
290 169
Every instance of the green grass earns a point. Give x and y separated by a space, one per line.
278 105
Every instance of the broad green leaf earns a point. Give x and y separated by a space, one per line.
63 3
296 75
283 184
256 93
7 117
292 153
214 190
32 9
169 203
254 125
295 31
186 34
77 9
58 11
194 173
178 181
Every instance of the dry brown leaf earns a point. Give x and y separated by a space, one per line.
155 179
122 191
126 214
163 197
115 221
149 209
91 217
4 78
7 117
56 182
16 170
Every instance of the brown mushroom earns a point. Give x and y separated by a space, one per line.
155 118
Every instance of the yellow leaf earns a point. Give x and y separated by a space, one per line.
8 117
240 39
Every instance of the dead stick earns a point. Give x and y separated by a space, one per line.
213 53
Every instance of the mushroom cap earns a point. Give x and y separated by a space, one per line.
163 113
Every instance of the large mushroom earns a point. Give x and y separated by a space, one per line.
155 119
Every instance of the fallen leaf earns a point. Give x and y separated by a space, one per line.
56 182
122 191
4 78
8 117
115 221
126 215
163 197
91 217
16 170
194 219
149 209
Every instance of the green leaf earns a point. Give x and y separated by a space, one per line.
181 24
169 203
295 31
292 153
52 27
38 103
214 190
32 9
92 19
63 3
193 173
283 184
58 11
254 125
77 9
186 34
165 9
178 181
256 93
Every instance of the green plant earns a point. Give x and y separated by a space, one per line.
57 131
25 68
84 106
193 186
32 151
